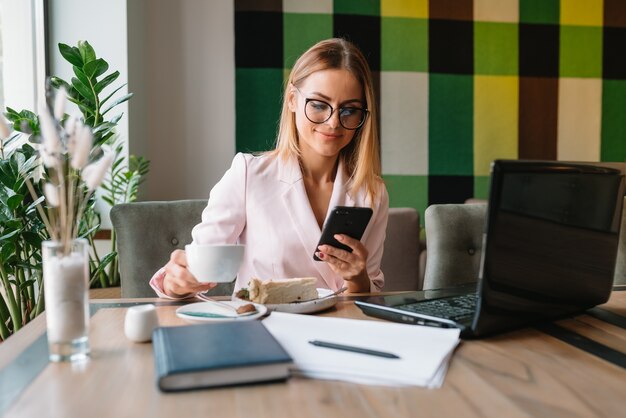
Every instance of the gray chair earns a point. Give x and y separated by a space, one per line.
147 233
400 261
620 266
454 240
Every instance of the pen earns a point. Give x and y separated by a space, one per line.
352 349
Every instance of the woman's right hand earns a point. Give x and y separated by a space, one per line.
178 281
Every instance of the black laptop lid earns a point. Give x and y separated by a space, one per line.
551 241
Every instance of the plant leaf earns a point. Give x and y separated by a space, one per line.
100 85
90 231
27 114
27 283
9 235
103 127
85 109
139 164
104 261
110 95
84 90
14 201
33 205
81 75
86 52
32 238
58 82
8 250
24 121
117 118
6 177
71 54
11 139
96 68
117 102
10 113
89 120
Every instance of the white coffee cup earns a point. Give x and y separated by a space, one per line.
140 321
214 263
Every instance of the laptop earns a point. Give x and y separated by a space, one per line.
549 251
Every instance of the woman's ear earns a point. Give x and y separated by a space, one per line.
291 99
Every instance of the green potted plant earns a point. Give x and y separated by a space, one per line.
86 91
21 233
22 229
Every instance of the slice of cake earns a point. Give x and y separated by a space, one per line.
282 290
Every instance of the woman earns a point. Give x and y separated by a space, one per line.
275 203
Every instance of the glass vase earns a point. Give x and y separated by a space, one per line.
66 292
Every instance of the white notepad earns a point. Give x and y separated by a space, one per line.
424 351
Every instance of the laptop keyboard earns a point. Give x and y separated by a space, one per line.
453 308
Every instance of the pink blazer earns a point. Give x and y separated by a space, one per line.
261 202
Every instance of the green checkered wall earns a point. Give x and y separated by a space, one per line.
459 82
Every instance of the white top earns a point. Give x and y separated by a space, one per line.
261 202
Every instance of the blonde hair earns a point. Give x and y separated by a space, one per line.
361 157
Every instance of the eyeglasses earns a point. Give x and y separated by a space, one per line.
318 111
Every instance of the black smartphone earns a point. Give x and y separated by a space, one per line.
350 221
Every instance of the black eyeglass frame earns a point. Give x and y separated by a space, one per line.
332 111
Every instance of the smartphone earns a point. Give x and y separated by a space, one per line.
350 221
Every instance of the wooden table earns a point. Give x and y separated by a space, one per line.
526 373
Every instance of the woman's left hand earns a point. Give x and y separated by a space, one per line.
352 266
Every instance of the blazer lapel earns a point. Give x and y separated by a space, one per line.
301 216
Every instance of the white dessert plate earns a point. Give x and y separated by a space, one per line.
202 312
309 306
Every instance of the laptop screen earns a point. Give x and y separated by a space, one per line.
551 241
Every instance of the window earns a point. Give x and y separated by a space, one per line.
1 65
22 53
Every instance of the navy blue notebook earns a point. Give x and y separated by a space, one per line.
218 354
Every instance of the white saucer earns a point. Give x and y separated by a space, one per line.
212 308
309 306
